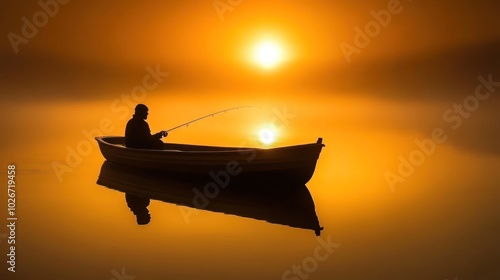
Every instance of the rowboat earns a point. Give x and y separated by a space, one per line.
293 163
263 201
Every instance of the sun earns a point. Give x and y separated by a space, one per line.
268 54
267 136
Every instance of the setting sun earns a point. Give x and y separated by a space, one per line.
268 54
267 136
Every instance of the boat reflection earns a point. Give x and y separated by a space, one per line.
289 204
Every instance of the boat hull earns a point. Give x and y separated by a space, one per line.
293 163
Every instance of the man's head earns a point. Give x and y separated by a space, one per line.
143 218
141 111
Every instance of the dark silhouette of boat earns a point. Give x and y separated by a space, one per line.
290 205
294 163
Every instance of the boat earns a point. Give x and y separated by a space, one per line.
294 207
293 163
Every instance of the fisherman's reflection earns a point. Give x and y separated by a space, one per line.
139 206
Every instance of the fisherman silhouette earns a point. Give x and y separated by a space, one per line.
137 133
139 206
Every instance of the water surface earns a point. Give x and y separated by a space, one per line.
441 222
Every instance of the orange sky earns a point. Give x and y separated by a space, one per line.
110 42
192 31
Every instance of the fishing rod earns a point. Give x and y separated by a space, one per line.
210 115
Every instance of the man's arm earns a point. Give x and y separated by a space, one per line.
160 134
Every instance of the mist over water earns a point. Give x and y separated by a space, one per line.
435 224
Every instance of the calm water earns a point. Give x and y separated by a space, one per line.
440 223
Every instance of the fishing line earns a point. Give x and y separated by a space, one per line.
210 115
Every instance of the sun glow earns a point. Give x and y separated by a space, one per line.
268 54
267 136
